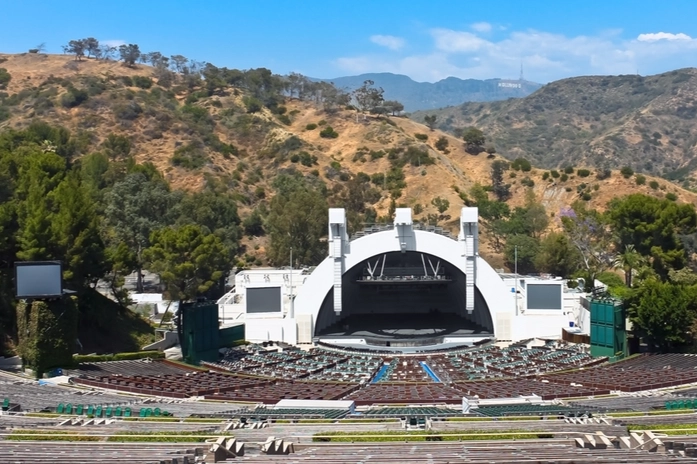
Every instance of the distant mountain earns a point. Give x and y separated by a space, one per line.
447 92
644 122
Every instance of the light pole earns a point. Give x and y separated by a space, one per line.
292 308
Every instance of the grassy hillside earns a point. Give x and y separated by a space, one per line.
600 121
192 137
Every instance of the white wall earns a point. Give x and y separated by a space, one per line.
271 329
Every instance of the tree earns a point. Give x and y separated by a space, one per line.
662 313
76 233
498 185
76 47
107 52
441 204
654 227
136 206
129 54
590 233
5 78
629 261
393 107
367 97
92 47
526 248
430 120
295 84
557 255
188 260
178 62
297 219
474 140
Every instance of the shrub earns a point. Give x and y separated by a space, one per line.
128 112
512 175
285 119
528 182
252 104
640 179
603 174
142 82
521 164
5 78
189 157
627 172
564 177
294 158
583 173
74 97
653 184
328 133
671 196
311 126
569 170
554 173
586 196
422 137
545 175
307 159
442 144
127 81
322 122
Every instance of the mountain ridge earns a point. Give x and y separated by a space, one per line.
643 122
432 95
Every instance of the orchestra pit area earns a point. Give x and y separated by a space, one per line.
551 403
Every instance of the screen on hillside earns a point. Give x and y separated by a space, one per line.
38 279
544 296
264 300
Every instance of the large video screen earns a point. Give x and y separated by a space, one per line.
544 296
38 279
264 299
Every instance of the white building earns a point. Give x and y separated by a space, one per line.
397 286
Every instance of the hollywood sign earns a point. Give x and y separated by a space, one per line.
510 85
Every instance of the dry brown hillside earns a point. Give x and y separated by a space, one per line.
190 136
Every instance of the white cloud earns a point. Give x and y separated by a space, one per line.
654 36
545 56
481 27
455 41
388 41
113 42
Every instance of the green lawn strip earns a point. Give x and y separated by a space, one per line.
399 435
668 429
663 412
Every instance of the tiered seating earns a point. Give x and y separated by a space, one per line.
297 413
30 396
406 369
404 393
139 367
411 411
527 410
644 372
194 383
492 362
510 388
275 391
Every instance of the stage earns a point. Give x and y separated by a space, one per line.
404 332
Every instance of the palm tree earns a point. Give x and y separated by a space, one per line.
629 260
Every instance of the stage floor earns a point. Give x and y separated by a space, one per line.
404 330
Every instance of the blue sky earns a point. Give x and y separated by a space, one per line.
427 41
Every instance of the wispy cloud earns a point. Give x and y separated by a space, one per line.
388 41
654 36
481 27
545 56
113 42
